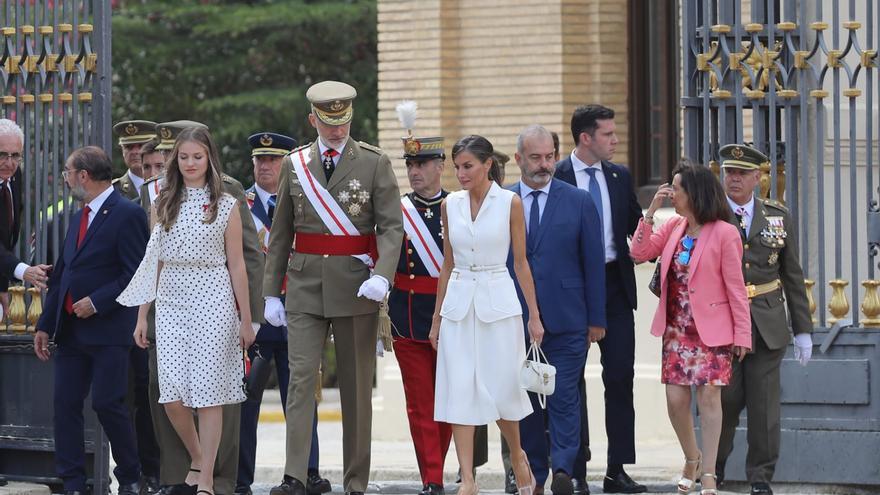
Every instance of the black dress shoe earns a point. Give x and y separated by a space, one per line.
183 489
580 486
622 483
289 486
354 493
2 480
510 482
432 489
315 484
129 489
761 488
150 485
243 490
562 484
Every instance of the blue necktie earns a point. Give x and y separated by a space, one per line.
534 219
596 193
272 199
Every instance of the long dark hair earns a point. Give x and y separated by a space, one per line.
482 150
172 194
708 202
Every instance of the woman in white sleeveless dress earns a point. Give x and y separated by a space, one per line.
477 327
195 256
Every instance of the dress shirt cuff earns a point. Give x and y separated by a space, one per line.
19 270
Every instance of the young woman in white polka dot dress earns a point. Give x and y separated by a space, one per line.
195 255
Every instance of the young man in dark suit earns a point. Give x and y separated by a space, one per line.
610 185
104 245
565 252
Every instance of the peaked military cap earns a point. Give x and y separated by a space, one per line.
742 157
270 143
331 101
168 132
423 148
135 131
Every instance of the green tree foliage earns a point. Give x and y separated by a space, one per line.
242 66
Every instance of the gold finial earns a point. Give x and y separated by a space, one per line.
16 309
871 304
839 305
810 301
35 309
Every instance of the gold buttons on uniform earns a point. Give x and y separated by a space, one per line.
746 246
411 264
748 265
326 255
409 251
412 277
411 292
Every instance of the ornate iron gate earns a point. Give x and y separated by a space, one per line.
799 80
55 83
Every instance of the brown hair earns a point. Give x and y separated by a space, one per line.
708 202
482 150
150 147
94 161
173 191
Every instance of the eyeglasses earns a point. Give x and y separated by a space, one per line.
15 157
66 173
688 242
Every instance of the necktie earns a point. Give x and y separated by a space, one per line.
596 193
741 215
272 199
329 166
83 228
8 215
534 219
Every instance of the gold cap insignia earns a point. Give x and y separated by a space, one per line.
165 133
737 152
131 129
337 106
412 146
266 140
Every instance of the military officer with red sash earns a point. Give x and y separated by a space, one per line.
411 303
267 151
336 235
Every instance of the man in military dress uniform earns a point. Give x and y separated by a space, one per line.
174 459
267 151
133 134
411 305
774 280
338 201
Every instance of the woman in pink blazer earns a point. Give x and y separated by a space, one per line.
703 315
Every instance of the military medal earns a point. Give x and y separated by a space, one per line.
354 198
429 213
774 257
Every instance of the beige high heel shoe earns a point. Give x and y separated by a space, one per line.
685 484
709 491
530 488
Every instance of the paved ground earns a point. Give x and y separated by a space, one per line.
395 472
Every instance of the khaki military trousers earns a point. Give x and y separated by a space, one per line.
174 460
355 342
754 385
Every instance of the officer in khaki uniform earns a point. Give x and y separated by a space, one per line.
132 135
173 457
774 279
326 284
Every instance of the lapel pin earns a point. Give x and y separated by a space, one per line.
104 212
614 174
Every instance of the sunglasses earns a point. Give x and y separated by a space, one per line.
688 242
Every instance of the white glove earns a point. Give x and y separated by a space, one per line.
274 312
374 288
803 348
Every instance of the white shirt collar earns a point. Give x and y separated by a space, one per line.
95 204
578 165
525 190
263 194
136 181
749 206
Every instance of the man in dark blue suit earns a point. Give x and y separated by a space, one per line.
267 151
564 249
105 243
610 185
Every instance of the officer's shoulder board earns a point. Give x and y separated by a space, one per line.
772 203
299 148
151 179
228 179
114 181
370 147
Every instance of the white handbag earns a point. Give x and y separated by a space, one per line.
536 376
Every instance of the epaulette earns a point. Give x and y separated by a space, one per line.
298 148
228 179
374 149
775 204
114 181
153 178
